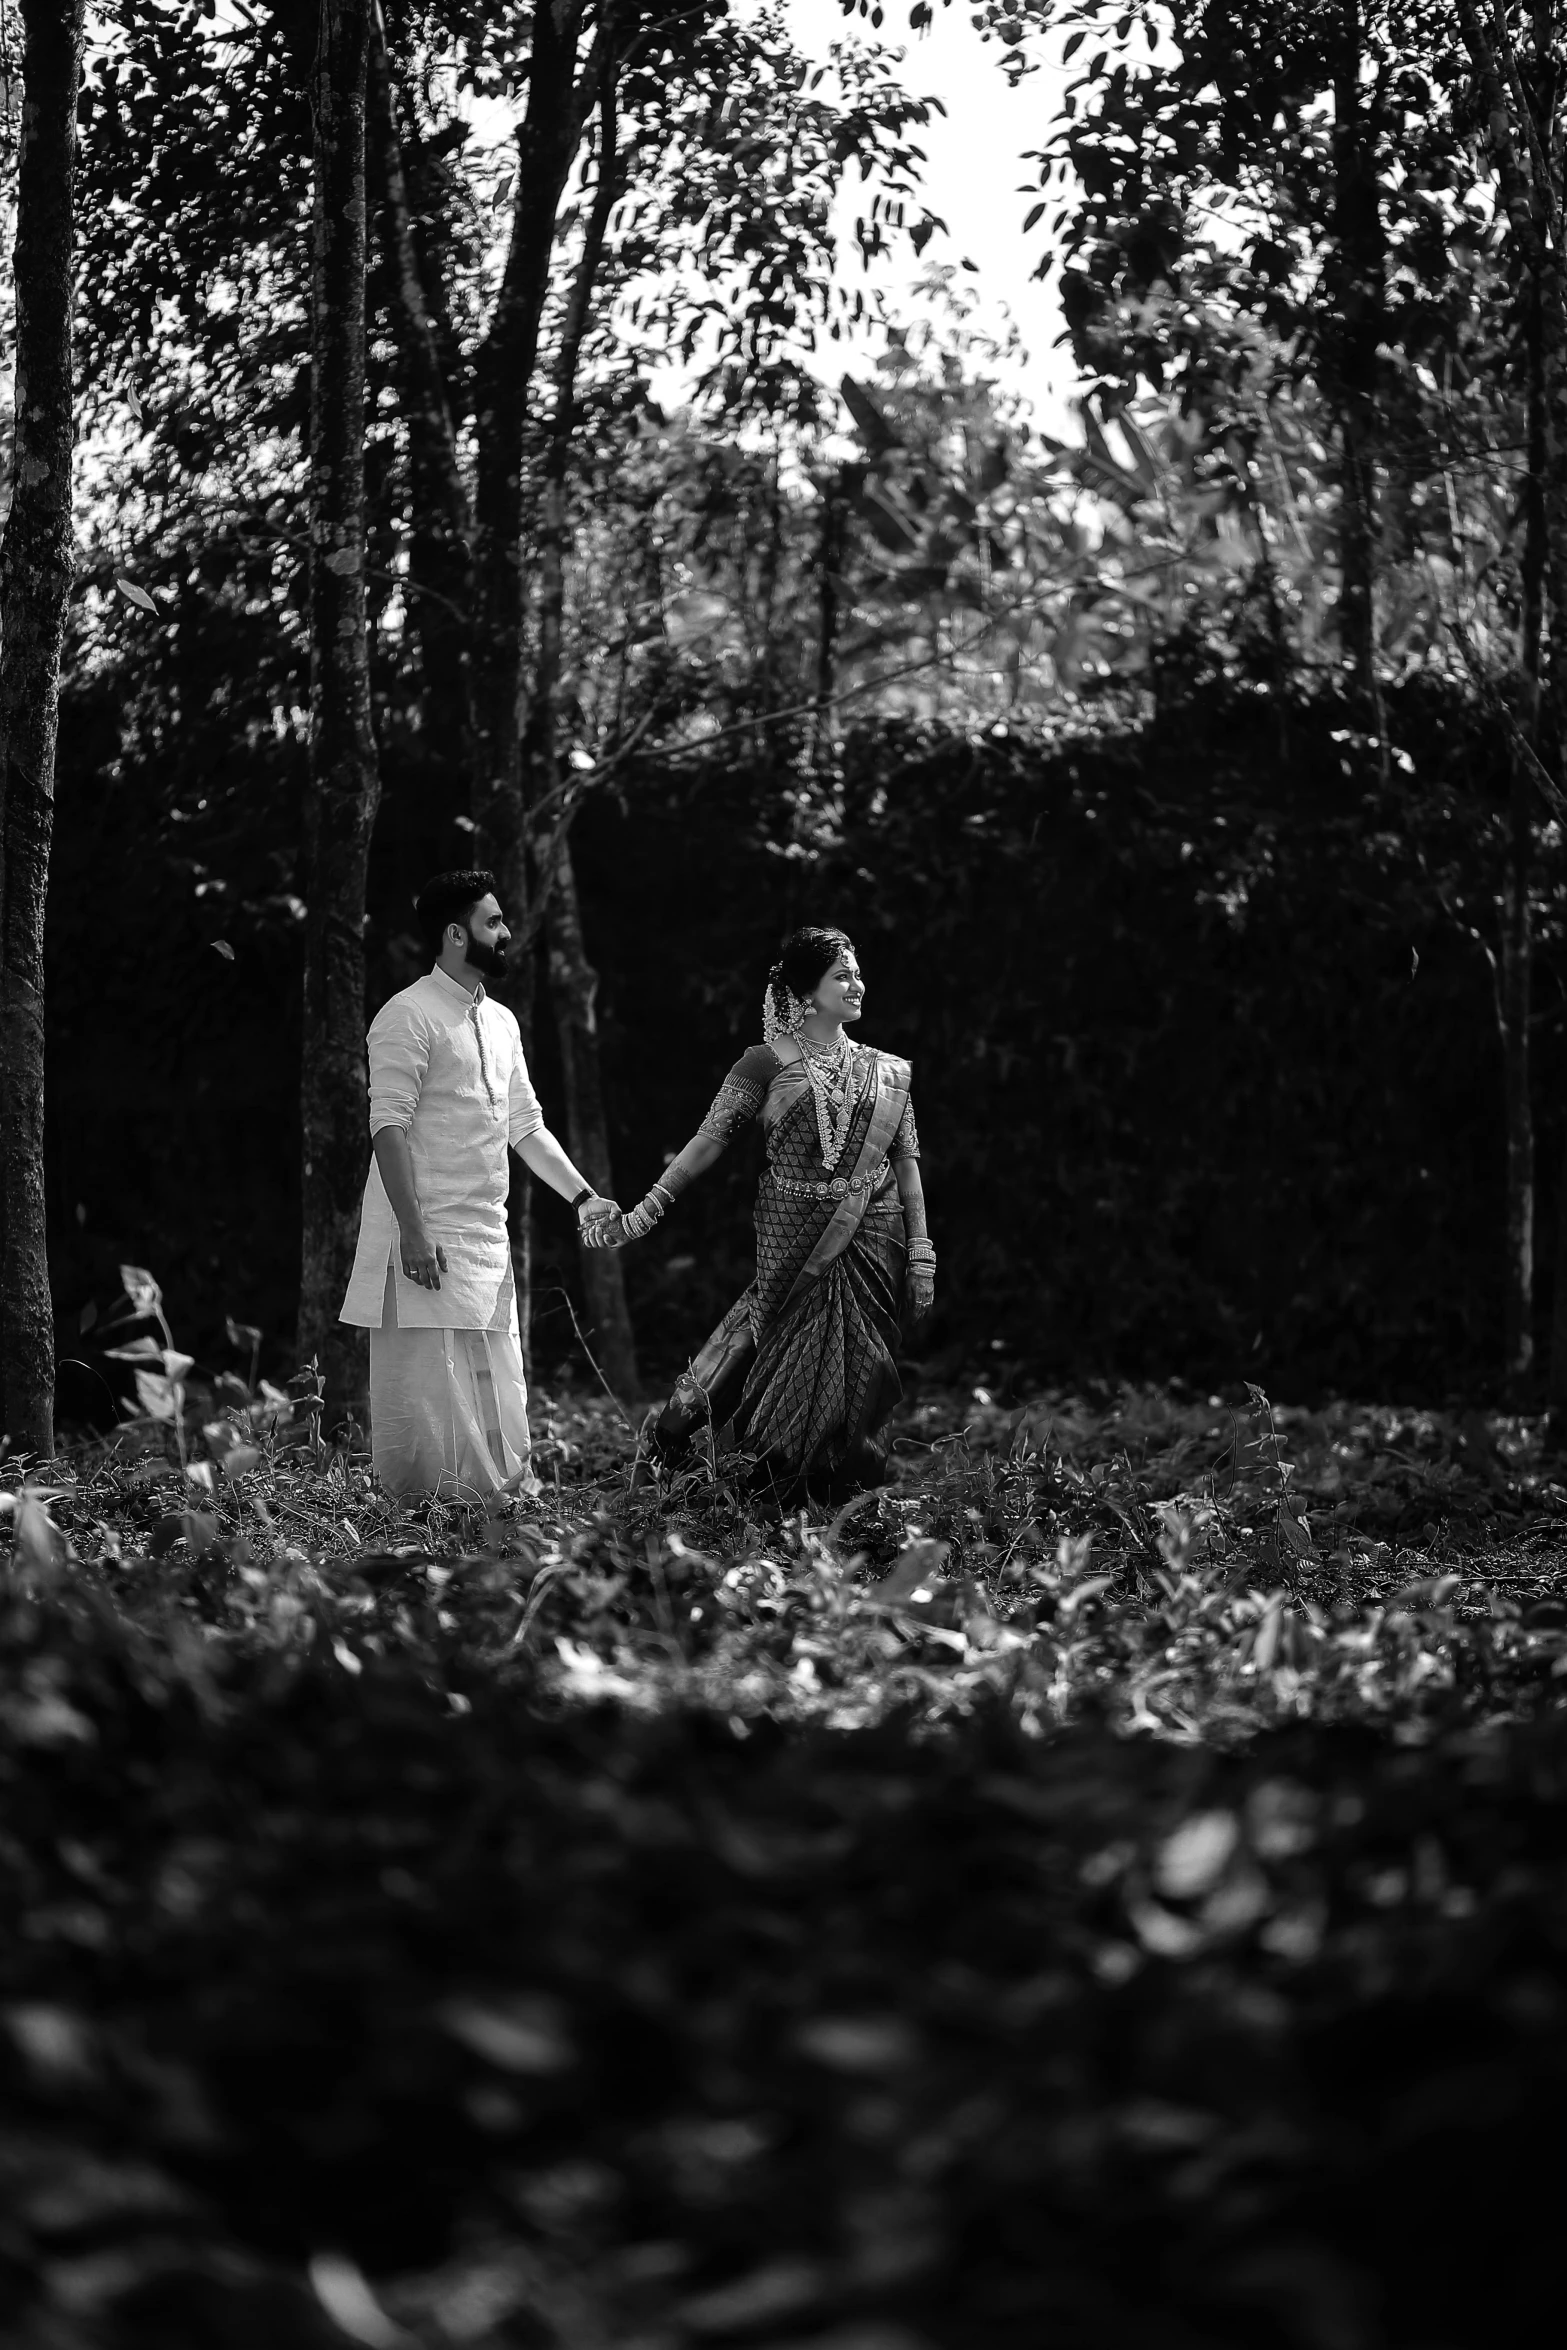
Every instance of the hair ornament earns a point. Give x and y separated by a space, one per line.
783 1012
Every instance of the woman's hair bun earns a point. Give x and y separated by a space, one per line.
809 954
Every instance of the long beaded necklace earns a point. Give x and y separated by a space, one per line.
834 1074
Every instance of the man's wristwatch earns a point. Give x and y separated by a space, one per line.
587 1192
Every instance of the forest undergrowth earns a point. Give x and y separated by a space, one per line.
1058 1896
1185 1566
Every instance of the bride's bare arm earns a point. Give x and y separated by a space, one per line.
701 1152
736 1103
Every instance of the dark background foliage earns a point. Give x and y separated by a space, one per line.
1199 1005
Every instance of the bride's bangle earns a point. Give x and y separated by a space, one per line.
640 1220
920 1252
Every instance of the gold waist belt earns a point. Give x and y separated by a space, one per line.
834 1188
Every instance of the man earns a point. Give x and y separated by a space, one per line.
432 1278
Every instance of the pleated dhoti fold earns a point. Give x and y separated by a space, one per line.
448 1409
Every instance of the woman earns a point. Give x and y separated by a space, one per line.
802 1364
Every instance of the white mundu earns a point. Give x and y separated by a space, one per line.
448 1399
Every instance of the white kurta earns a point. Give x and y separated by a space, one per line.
446 1069
448 1399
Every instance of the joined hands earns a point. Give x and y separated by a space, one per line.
599 1223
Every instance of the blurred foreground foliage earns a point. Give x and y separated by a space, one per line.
1103 1889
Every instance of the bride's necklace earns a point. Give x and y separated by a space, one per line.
833 1073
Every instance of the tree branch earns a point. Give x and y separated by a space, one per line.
606 194
1544 180
414 308
1554 796
1518 196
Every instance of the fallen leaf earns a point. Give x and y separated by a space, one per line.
1193 1859
340 2287
521 2035
777 2289
857 2044
54 2042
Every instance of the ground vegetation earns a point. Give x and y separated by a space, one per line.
1065 1887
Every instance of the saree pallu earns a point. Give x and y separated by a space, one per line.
801 1371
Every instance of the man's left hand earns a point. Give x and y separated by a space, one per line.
596 1210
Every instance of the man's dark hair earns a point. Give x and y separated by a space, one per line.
449 897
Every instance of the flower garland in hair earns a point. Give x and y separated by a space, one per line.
789 1020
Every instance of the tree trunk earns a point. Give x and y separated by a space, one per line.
1547 522
547 144
766 693
440 549
1553 383
1358 269
35 574
573 994
573 980
828 557
344 785
1517 903
1516 975
540 742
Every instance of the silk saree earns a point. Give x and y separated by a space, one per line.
801 1372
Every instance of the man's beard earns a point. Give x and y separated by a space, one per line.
491 960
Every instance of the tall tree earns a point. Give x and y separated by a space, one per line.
440 524
343 788
573 980
1356 275
35 574
572 45
571 42
1520 90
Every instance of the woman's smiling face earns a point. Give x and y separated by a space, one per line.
840 992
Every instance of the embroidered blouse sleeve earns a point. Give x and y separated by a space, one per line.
399 1050
905 1144
740 1096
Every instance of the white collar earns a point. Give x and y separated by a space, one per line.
456 986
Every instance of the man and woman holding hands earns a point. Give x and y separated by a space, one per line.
800 1372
